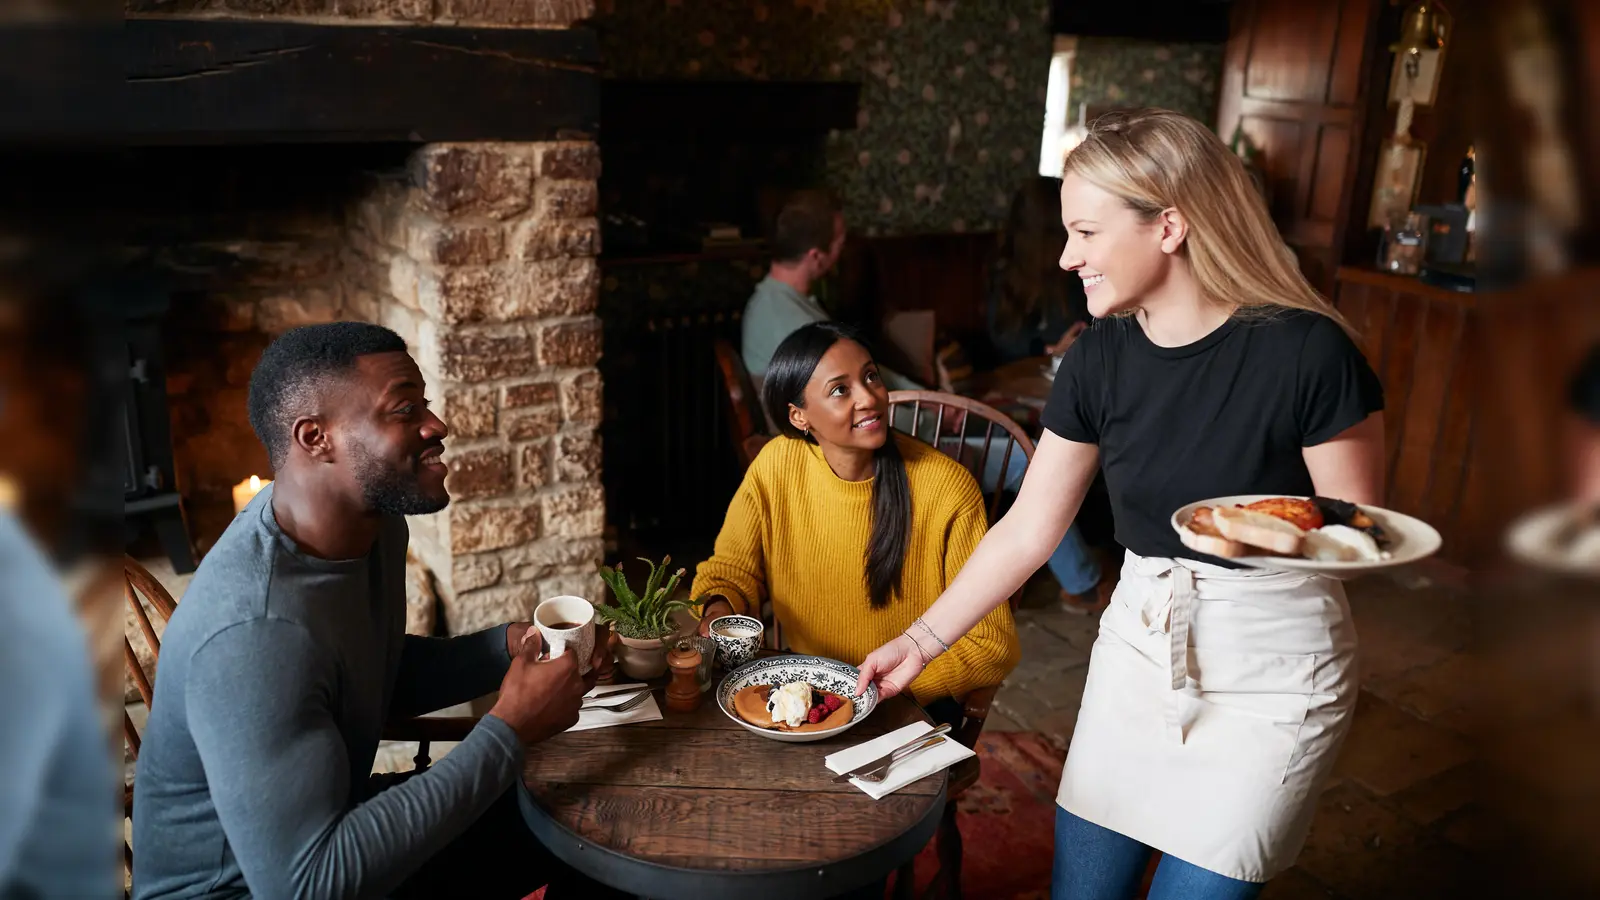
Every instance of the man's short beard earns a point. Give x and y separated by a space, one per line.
389 492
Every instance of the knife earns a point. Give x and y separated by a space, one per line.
602 692
906 749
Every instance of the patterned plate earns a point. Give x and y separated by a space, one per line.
820 672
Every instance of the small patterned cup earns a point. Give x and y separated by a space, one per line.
738 638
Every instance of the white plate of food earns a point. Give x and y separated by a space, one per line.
775 697
1304 534
1563 538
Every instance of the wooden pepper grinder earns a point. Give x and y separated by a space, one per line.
683 694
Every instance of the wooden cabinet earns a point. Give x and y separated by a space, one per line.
1294 80
1476 396
1416 338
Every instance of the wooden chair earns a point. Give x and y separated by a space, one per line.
137 580
976 432
997 434
747 424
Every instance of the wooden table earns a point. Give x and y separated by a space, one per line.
1019 389
693 807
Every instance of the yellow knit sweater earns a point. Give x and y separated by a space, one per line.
798 534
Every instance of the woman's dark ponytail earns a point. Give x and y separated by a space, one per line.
891 524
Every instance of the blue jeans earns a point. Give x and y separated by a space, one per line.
1094 863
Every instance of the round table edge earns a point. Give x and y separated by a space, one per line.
663 882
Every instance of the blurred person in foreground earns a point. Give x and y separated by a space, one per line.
59 803
288 655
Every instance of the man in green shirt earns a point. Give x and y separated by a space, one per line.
806 242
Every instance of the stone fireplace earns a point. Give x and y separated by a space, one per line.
481 253
484 260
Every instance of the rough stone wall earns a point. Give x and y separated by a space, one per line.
482 255
250 272
483 258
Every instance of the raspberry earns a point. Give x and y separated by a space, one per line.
814 716
832 703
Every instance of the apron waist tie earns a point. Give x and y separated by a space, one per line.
1169 612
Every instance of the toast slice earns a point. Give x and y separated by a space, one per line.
1258 530
1303 514
1200 533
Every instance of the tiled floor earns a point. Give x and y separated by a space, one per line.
1398 818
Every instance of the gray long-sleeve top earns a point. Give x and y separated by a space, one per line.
277 674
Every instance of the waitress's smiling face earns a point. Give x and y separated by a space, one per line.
1120 256
846 401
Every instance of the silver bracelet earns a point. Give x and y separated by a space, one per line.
918 644
931 634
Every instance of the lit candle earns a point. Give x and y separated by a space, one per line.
245 490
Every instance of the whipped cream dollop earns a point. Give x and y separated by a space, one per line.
789 703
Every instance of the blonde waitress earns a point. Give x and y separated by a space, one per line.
1217 696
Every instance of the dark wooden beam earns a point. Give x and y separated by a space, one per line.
229 81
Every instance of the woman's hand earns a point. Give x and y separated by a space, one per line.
893 666
714 607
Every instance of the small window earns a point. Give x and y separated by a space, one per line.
1061 132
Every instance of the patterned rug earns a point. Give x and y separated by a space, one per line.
1007 821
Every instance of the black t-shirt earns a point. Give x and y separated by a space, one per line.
1227 414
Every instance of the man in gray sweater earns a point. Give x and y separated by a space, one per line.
288 654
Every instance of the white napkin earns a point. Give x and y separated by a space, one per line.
588 718
920 765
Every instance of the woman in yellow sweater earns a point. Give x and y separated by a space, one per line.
850 529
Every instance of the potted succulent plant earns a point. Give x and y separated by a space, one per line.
643 620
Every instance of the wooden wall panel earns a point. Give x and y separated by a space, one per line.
1447 470
947 273
1476 390
1344 83
1333 148
1399 376
1290 46
1438 353
1294 79
1282 143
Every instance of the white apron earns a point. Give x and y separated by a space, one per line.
1216 703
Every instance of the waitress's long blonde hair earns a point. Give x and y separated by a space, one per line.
1156 159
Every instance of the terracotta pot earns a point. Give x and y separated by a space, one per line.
642 660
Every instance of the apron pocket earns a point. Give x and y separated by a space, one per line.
1265 697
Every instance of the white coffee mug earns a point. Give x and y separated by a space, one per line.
567 624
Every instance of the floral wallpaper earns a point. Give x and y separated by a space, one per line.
953 92
1120 72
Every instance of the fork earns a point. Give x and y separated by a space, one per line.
631 703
